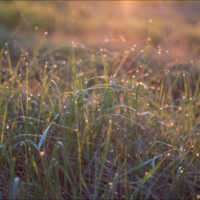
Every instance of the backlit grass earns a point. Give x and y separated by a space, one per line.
96 125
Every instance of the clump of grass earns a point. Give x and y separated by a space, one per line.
73 127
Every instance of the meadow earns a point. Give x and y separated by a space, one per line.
86 116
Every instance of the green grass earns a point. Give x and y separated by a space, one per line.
89 124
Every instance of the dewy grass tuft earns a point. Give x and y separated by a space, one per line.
86 130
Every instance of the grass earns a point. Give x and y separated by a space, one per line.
84 123
78 126
86 23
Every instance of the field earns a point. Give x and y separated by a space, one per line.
99 100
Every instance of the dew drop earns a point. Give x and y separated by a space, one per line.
123 40
106 40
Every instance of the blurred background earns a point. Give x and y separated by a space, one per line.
115 25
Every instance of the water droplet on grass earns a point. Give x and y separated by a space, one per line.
106 40
149 39
123 40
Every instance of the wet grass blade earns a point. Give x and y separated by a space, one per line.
46 132
147 176
103 158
